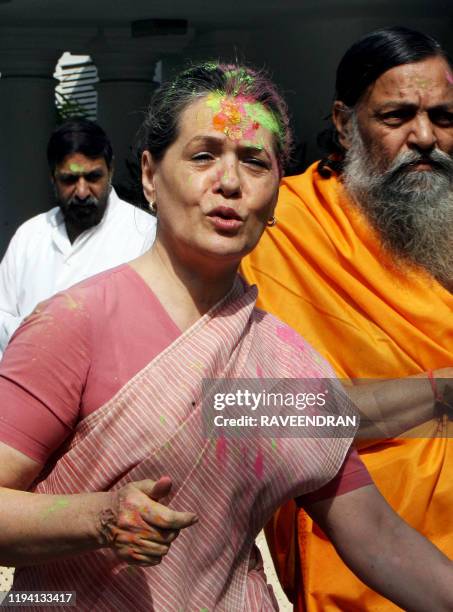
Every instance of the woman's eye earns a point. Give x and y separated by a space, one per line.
203 156
255 161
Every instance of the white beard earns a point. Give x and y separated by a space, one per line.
411 210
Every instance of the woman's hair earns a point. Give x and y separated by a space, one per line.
362 65
160 128
78 136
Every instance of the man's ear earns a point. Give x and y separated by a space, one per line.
148 173
342 117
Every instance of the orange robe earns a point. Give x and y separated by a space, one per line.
322 271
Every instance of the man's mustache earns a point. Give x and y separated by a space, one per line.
91 202
438 160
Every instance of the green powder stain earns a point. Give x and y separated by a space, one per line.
76 168
210 66
214 99
274 444
58 505
253 145
204 610
241 75
255 112
162 419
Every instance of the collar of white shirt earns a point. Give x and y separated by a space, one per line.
60 235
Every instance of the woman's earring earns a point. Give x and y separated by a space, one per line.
271 222
153 207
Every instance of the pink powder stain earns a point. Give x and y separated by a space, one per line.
259 464
291 337
250 132
259 372
449 77
233 120
221 450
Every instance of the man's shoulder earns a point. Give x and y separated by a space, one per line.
131 218
38 224
132 210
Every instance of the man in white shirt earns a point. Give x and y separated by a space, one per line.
90 229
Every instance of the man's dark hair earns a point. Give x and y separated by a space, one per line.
78 136
362 65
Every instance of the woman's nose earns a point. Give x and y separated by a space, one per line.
229 180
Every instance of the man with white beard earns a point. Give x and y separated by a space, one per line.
407 197
361 264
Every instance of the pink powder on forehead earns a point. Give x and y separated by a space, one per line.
232 118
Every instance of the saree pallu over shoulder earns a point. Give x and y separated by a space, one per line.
153 427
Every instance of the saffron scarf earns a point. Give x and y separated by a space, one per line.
323 271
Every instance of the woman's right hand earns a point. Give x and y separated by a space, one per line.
140 529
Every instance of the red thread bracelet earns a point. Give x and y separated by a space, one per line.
437 396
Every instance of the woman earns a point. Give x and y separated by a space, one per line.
101 389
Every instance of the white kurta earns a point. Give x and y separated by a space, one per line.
41 261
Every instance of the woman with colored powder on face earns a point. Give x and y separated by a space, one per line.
102 389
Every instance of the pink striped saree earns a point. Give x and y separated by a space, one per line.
153 427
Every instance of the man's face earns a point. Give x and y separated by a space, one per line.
399 167
408 109
82 188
